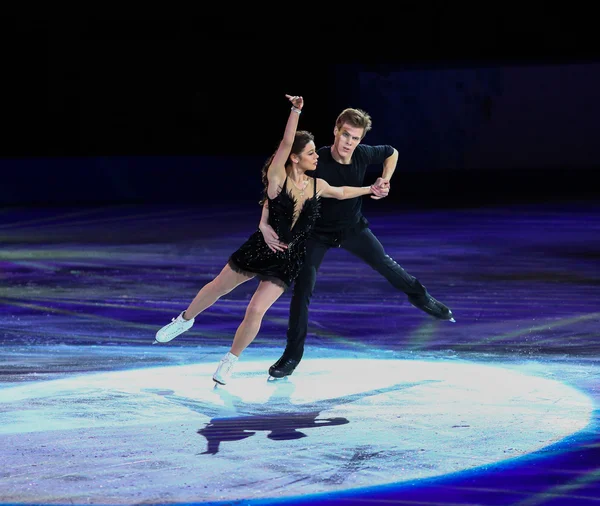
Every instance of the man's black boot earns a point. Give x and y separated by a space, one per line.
283 367
432 306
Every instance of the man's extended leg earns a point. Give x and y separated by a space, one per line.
368 248
298 318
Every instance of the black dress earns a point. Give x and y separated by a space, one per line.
255 258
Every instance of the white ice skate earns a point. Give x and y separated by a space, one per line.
225 368
170 331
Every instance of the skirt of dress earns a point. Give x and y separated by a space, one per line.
255 258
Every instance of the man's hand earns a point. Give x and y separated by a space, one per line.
271 238
381 188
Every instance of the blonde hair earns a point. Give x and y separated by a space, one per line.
356 118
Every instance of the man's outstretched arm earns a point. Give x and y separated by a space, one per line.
389 166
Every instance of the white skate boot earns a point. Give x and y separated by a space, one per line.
170 331
225 368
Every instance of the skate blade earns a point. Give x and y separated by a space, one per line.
156 341
452 320
274 378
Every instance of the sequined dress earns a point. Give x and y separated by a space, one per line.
292 218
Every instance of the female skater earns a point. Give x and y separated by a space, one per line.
293 202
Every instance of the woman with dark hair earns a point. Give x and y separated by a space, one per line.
292 198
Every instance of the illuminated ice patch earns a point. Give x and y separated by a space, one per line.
336 424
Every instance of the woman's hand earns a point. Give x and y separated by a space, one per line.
297 102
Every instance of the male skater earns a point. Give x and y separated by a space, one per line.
342 225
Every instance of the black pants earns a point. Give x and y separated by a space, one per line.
365 246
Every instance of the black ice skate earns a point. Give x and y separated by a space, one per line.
432 306
283 367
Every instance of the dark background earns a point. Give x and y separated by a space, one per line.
486 106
